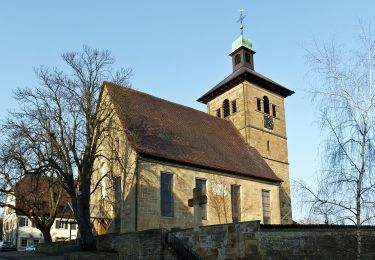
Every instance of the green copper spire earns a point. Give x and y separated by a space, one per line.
241 41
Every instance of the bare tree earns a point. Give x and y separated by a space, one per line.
345 96
61 123
219 196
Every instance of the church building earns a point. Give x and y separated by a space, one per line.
157 151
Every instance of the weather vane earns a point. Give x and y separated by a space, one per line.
240 20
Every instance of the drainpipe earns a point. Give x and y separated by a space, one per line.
136 193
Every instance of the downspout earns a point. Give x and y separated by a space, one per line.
136 193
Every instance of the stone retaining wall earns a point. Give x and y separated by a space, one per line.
136 245
250 240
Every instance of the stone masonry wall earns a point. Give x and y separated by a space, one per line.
149 213
250 240
136 245
271 144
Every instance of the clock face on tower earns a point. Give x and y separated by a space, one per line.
268 122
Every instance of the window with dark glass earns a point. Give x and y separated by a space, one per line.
61 224
218 112
237 59
266 105
226 110
234 106
247 57
259 104
36 241
23 242
268 145
23 222
266 207
73 226
166 194
199 183
236 203
274 110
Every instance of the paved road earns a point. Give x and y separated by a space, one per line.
27 255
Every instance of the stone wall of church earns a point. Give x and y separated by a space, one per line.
149 208
271 144
112 204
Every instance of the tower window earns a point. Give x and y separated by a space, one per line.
274 110
237 59
268 145
247 57
266 105
259 104
234 106
218 112
226 110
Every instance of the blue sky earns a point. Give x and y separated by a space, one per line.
179 49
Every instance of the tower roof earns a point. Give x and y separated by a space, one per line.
239 76
242 41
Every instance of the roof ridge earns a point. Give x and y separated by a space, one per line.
162 99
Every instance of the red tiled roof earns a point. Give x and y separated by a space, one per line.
32 193
163 130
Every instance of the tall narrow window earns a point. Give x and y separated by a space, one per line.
274 110
266 207
236 203
247 57
237 59
259 104
234 106
268 145
166 194
226 110
218 112
199 183
266 105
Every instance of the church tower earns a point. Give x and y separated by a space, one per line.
255 105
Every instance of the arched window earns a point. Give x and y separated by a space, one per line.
266 105
247 57
237 59
226 108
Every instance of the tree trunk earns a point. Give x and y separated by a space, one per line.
82 210
47 235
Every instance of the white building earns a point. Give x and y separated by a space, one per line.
20 230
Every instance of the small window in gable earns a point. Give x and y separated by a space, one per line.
226 110
274 110
237 59
218 112
259 104
234 106
266 105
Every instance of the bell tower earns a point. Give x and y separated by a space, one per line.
255 105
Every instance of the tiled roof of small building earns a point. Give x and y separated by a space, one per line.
167 131
32 192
